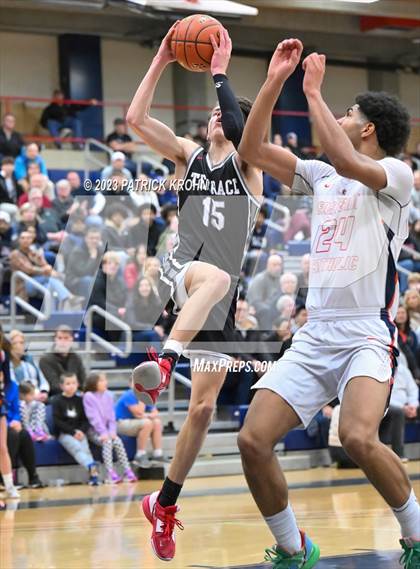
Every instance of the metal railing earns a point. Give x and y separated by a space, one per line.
91 336
16 301
143 158
91 157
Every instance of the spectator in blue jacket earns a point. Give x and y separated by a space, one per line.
19 442
29 154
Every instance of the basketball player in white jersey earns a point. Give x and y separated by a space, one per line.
348 347
218 201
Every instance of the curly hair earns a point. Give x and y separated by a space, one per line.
390 117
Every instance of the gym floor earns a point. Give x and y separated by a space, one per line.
80 527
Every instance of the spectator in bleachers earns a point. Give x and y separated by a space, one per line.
19 441
32 262
37 180
403 405
117 166
11 141
144 313
237 385
72 425
415 194
64 204
201 134
134 269
169 214
48 223
36 197
285 307
271 186
109 293
58 116
303 276
255 256
75 183
414 282
33 413
407 341
83 263
86 199
98 403
29 154
28 221
10 188
6 244
63 359
134 421
292 143
152 271
143 195
114 233
24 368
410 260
266 284
412 305
147 231
281 333
288 284
120 141
300 317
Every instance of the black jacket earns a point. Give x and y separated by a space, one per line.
59 112
141 234
11 146
80 264
69 415
53 365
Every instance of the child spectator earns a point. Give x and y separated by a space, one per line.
72 425
134 421
99 408
32 412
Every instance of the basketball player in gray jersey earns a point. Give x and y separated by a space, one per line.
218 199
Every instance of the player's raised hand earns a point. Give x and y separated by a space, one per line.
222 52
314 67
285 59
165 53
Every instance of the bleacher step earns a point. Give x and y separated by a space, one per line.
229 465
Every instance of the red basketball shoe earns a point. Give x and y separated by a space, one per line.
152 377
163 521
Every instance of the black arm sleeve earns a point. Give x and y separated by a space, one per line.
232 118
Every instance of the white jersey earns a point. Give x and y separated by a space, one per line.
356 238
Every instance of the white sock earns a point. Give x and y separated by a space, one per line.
285 530
140 453
408 517
174 346
8 481
157 452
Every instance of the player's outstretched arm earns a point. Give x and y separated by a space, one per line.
154 133
232 118
334 141
254 148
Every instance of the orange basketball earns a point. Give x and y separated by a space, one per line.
191 43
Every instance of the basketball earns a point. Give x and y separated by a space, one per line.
191 43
